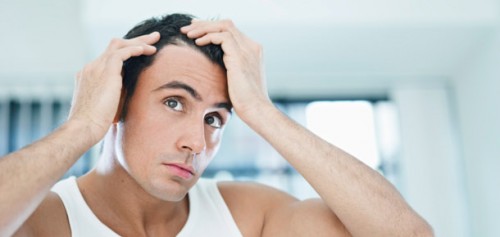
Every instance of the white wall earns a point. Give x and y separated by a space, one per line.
478 97
41 42
450 158
429 163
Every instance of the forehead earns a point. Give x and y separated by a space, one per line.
188 65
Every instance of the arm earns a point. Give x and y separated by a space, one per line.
364 202
27 175
360 197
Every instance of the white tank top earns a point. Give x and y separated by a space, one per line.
208 213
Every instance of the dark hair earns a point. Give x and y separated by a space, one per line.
169 28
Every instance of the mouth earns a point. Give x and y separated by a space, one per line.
180 170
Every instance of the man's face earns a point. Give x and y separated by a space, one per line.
174 122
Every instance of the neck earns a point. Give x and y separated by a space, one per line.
122 204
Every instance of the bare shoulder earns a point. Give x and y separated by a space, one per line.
49 219
278 213
311 217
251 193
249 203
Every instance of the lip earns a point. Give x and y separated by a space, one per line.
181 170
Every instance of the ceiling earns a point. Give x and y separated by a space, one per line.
319 48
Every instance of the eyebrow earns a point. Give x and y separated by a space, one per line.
225 105
180 85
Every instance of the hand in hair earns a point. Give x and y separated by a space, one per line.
243 61
99 84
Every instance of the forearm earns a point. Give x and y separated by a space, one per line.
27 175
363 200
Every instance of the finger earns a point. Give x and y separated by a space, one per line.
200 28
225 39
150 38
143 39
186 28
214 38
135 50
115 62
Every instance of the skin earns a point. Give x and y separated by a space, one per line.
170 126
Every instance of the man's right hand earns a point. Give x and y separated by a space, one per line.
98 85
27 175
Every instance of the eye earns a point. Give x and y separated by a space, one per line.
174 104
214 120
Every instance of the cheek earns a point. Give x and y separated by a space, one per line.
154 127
135 148
213 139
147 138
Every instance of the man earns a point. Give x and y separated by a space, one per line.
161 128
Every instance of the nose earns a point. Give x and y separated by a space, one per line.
192 138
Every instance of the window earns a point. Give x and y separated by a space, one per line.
365 129
24 120
349 125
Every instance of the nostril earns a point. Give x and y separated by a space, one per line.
187 147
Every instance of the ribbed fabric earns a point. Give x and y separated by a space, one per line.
208 213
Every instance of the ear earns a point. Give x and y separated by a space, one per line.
120 109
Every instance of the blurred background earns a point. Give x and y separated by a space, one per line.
409 87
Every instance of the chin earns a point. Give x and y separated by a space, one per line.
171 190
